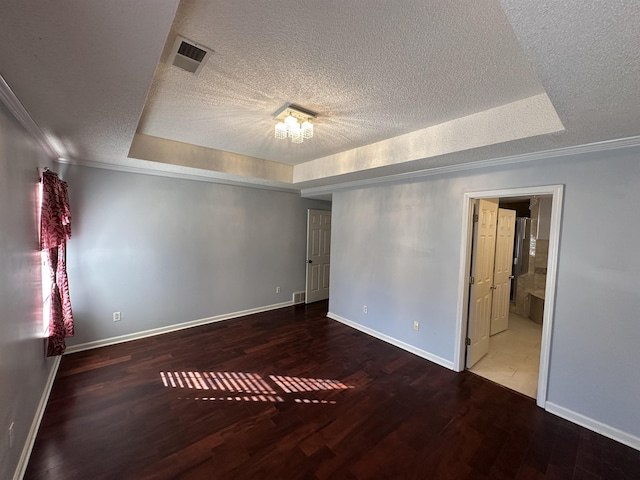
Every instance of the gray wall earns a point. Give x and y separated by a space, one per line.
544 218
23 367
396 248
164 251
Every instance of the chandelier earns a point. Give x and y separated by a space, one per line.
294 123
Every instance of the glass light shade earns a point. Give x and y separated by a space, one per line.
295 132
307 129
291 120
293 129
281 131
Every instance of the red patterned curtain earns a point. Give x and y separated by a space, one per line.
55 230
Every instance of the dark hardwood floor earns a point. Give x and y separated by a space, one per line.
290 394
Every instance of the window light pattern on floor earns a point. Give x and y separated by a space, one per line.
244 398
297 384
226 381
252 386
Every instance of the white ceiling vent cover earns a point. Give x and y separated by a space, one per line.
188 55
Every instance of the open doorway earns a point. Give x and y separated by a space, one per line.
521 331
520 270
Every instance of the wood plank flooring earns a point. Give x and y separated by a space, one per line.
291 394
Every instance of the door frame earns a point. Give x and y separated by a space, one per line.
556 192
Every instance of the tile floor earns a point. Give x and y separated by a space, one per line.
514 356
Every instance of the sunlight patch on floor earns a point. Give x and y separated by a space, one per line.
252 385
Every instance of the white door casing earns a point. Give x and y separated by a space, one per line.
318 255
556 192
480 292
502 270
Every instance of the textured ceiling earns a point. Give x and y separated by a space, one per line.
371 73
82 68
399 86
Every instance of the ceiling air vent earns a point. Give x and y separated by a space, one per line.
189 56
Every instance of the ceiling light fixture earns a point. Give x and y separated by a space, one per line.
294 123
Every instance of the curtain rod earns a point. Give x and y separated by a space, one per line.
41 170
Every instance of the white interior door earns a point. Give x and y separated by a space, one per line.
318 255
480 293
503 265
502 270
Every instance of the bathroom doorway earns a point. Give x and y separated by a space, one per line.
513 359
516 357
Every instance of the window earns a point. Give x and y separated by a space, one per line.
44 271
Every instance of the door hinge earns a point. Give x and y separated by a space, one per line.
467 341
472 280
475 217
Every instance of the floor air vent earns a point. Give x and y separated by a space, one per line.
298 297
189 56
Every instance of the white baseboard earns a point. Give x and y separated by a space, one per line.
594 425
393 341
35 424
172 328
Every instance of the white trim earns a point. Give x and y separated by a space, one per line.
17 109
493 162
594 425
550 295
462 307
172 328
393 341
556 192
35 424
13 104
206 175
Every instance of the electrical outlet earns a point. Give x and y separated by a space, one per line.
416 325
277 289
117 316
365 309
11 434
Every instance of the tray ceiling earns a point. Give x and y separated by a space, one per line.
398 86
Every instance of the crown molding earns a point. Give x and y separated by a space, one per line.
17 109
20 113
510 160
203 176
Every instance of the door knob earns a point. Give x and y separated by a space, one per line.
309 261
